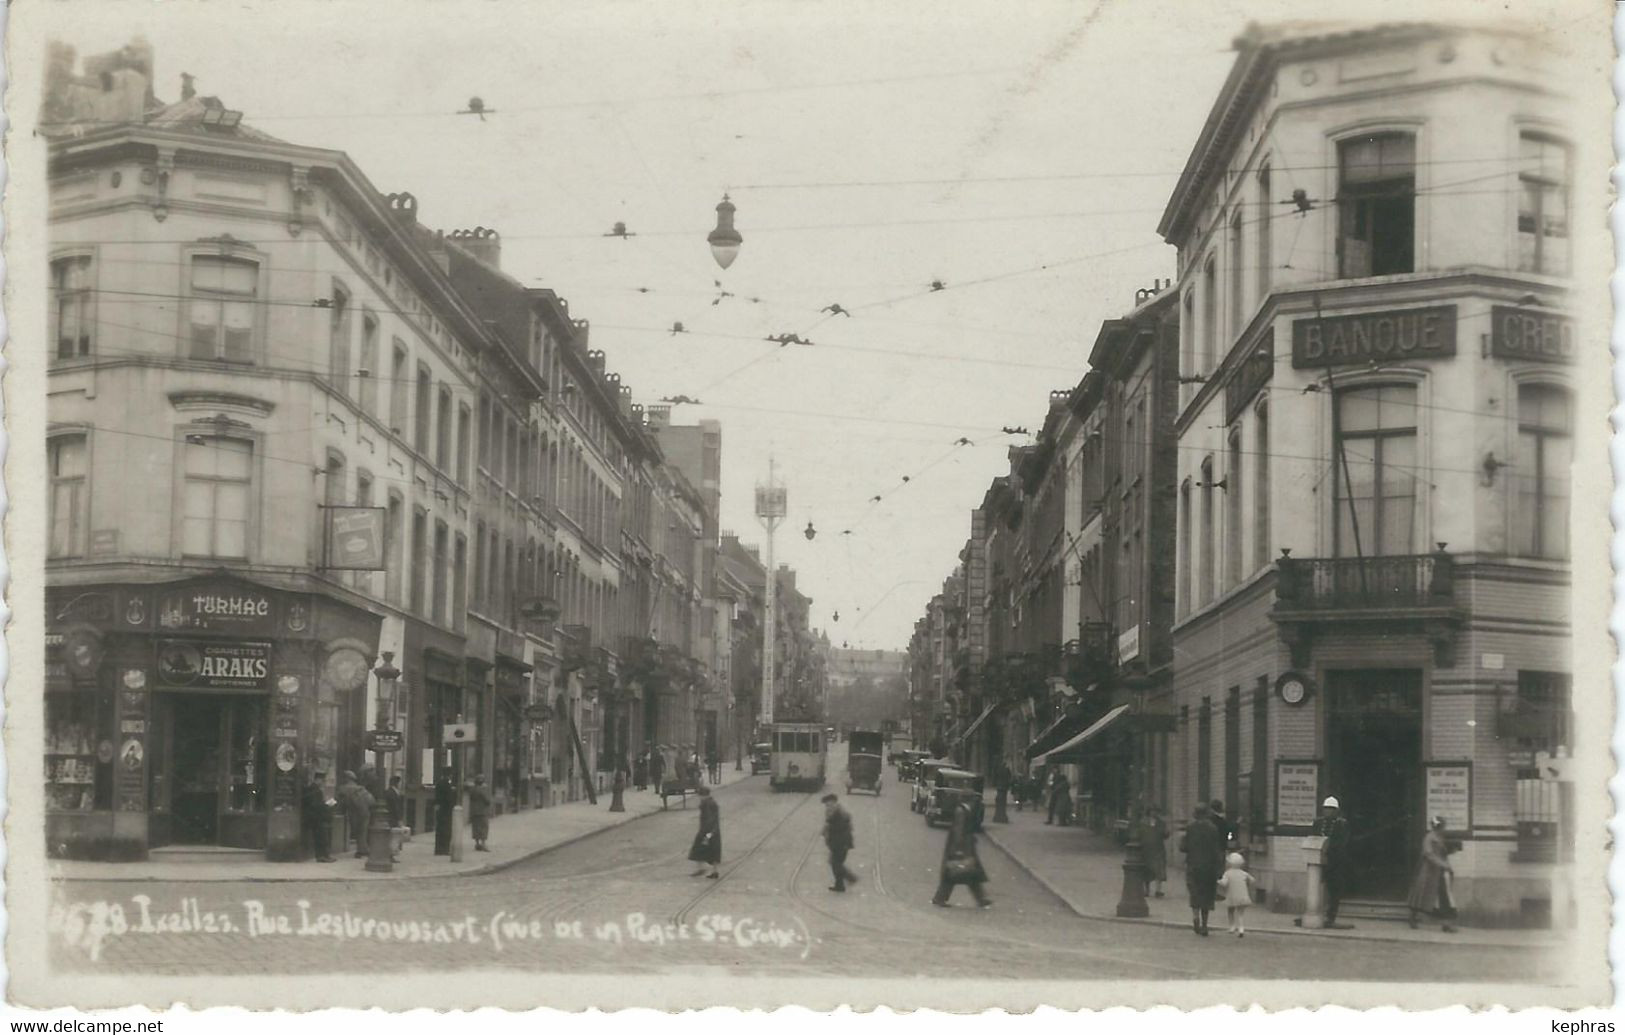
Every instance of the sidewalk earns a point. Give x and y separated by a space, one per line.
1084 869
515 837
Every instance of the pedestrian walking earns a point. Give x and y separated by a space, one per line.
316 815
657 768
640 771
479 812
713 766
1060 800
707 847
1229 832
445 801
960 863
1204 862
1430 889
1152 833
357 805
1236 885
1336 866
838 838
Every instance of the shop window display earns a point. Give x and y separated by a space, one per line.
77 777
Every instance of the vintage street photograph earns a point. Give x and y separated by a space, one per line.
724 504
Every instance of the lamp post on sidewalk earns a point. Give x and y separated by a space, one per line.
383 739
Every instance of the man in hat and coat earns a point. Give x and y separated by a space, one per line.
317 816
1204 863
445 800
960 863
707 847
479 812
1430 890
838 838
357 804
657 768
1335 862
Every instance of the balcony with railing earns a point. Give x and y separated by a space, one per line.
1412 589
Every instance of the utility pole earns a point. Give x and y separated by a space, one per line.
770 511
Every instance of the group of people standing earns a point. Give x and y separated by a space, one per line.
354 799
650 769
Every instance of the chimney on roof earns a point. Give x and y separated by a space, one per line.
659 417
482 243
597 360
402 206
626 400
1059 398
188 91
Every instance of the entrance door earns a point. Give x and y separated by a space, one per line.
195 758
1374 745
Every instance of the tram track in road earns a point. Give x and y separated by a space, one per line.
682 914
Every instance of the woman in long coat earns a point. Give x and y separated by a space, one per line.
1153 837
1429 891
960 863
707 848
1204 862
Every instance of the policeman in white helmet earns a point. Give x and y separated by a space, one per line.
1335 865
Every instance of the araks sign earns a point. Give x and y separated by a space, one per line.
214 665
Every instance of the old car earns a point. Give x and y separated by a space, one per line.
950 787
761 758
925 771
863 761
906 760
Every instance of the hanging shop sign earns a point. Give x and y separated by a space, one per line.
1450 794
385 740
355 538
214 665
1384 337
1521 334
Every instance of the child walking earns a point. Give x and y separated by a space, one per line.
1236 886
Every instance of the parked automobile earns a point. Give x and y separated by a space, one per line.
906 760
950 787
761 758
925 771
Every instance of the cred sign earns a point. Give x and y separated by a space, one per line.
1522 334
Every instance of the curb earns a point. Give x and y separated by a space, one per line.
479 871
1177 925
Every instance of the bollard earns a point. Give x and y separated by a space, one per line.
1132 901
1314 904
380 854
999 813
457 833
616 804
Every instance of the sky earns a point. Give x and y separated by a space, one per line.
1019 156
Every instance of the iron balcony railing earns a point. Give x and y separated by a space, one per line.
1402 581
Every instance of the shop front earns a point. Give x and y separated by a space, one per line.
190 713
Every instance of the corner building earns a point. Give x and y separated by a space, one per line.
1374 434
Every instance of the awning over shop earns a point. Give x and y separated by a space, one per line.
1066 726
1100 725
972 727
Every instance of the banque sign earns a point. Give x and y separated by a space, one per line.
1389 336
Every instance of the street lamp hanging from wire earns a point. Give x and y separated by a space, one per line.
725 240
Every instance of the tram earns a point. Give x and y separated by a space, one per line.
799 749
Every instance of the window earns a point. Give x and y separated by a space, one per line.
1266 205
420 558
1235 547
1238 275
464 420
459 583
1204 751
1545 452
441 573
215 506
1261 487
398 379
1374 473
1187 332
442 430
68 457
1258 805
1376 201
1206 546
338 326
478 603
221 308
1210 314
1232 751
1543 205
71 305
485 431
420 437
367 390
394 542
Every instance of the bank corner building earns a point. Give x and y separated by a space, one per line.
1374 434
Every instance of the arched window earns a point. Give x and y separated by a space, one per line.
1376 202
1374 471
